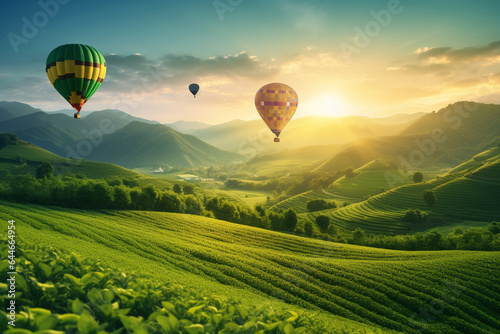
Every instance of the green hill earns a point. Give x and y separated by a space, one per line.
144 145
370 179
287 160
394 290
253 137
479 159
299 202
439 140
56 132
25 157
471 194
9 110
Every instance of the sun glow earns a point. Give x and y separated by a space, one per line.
329 105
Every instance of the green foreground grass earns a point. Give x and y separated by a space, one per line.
344 286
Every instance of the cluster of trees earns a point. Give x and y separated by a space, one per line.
484 239
415 216
320 204
258 186
75 192
8 139
126 194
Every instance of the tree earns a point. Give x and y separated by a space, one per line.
168 202
278 190
430 198
290 220
8 139
308 229
319 204
494 227
188 189
177 189
276 221
433 239
323 222
415 216
102 195
358 236
44 170
121 197
417 177
349 172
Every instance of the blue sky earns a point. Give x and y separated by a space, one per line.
414 55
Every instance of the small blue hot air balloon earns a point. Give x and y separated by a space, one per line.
194 88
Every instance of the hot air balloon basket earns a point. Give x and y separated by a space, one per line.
276 140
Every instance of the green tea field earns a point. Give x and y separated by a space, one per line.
345 285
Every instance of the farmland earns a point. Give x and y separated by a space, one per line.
379 288
299 202
471 194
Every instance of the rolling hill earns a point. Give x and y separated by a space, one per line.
144 145
253 137
9 110
341 284
299 202
479 159
25 158
84 138
369 179
470 194
287 160
56 132
188 126
439 140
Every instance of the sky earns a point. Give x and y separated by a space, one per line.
342 57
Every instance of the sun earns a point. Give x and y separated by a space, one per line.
329 105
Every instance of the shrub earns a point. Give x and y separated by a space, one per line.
417 177
323 222
320 204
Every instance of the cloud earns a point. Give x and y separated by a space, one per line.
239 65
450 55
447 62
172 69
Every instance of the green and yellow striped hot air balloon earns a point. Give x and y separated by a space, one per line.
76 71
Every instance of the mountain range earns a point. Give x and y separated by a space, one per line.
439 139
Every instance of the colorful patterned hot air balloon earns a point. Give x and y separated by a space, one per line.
276 104
76 72
194 88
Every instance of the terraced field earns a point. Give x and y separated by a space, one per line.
369 182
478 160
466 195
372 177
409 292
299 202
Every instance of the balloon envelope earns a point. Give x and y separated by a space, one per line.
76 71
276 104
194 88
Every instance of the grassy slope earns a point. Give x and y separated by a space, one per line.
146 145
34 155
478 160
463 136
368 180
467 195
374 286
299 202
282 162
